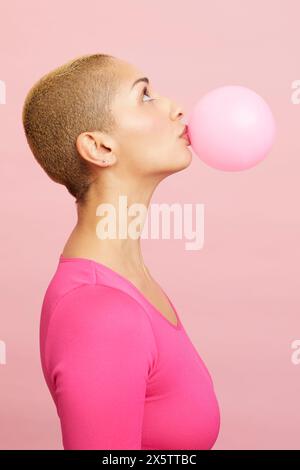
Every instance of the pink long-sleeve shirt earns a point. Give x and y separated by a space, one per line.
121 375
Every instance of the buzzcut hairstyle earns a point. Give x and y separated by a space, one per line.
73 98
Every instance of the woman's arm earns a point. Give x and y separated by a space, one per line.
99 352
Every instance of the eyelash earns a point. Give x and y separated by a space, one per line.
144 93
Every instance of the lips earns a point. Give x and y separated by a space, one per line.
185 135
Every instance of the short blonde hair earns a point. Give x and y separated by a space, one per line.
67 101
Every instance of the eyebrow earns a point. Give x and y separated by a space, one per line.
143 79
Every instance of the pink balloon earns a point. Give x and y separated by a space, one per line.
231 128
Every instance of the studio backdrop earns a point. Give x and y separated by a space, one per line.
233 270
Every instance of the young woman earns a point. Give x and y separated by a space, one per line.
118 362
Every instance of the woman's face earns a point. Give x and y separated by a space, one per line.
148 127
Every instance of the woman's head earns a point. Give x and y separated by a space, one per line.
89 110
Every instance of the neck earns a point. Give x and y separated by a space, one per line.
91 237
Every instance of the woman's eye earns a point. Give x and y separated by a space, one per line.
146 93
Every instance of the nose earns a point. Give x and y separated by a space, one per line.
177 112
180 114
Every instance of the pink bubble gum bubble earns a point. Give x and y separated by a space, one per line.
231 128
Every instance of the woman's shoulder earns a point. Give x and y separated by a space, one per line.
92 298
92 307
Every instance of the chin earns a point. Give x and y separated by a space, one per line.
184 159
178 162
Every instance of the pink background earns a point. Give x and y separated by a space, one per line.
239 296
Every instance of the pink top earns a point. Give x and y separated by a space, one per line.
121 375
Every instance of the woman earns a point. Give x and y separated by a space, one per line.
117 360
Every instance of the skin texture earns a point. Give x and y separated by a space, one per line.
142 150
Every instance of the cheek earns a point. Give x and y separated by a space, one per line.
146 137
143 123
149 127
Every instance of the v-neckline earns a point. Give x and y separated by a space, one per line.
111 271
